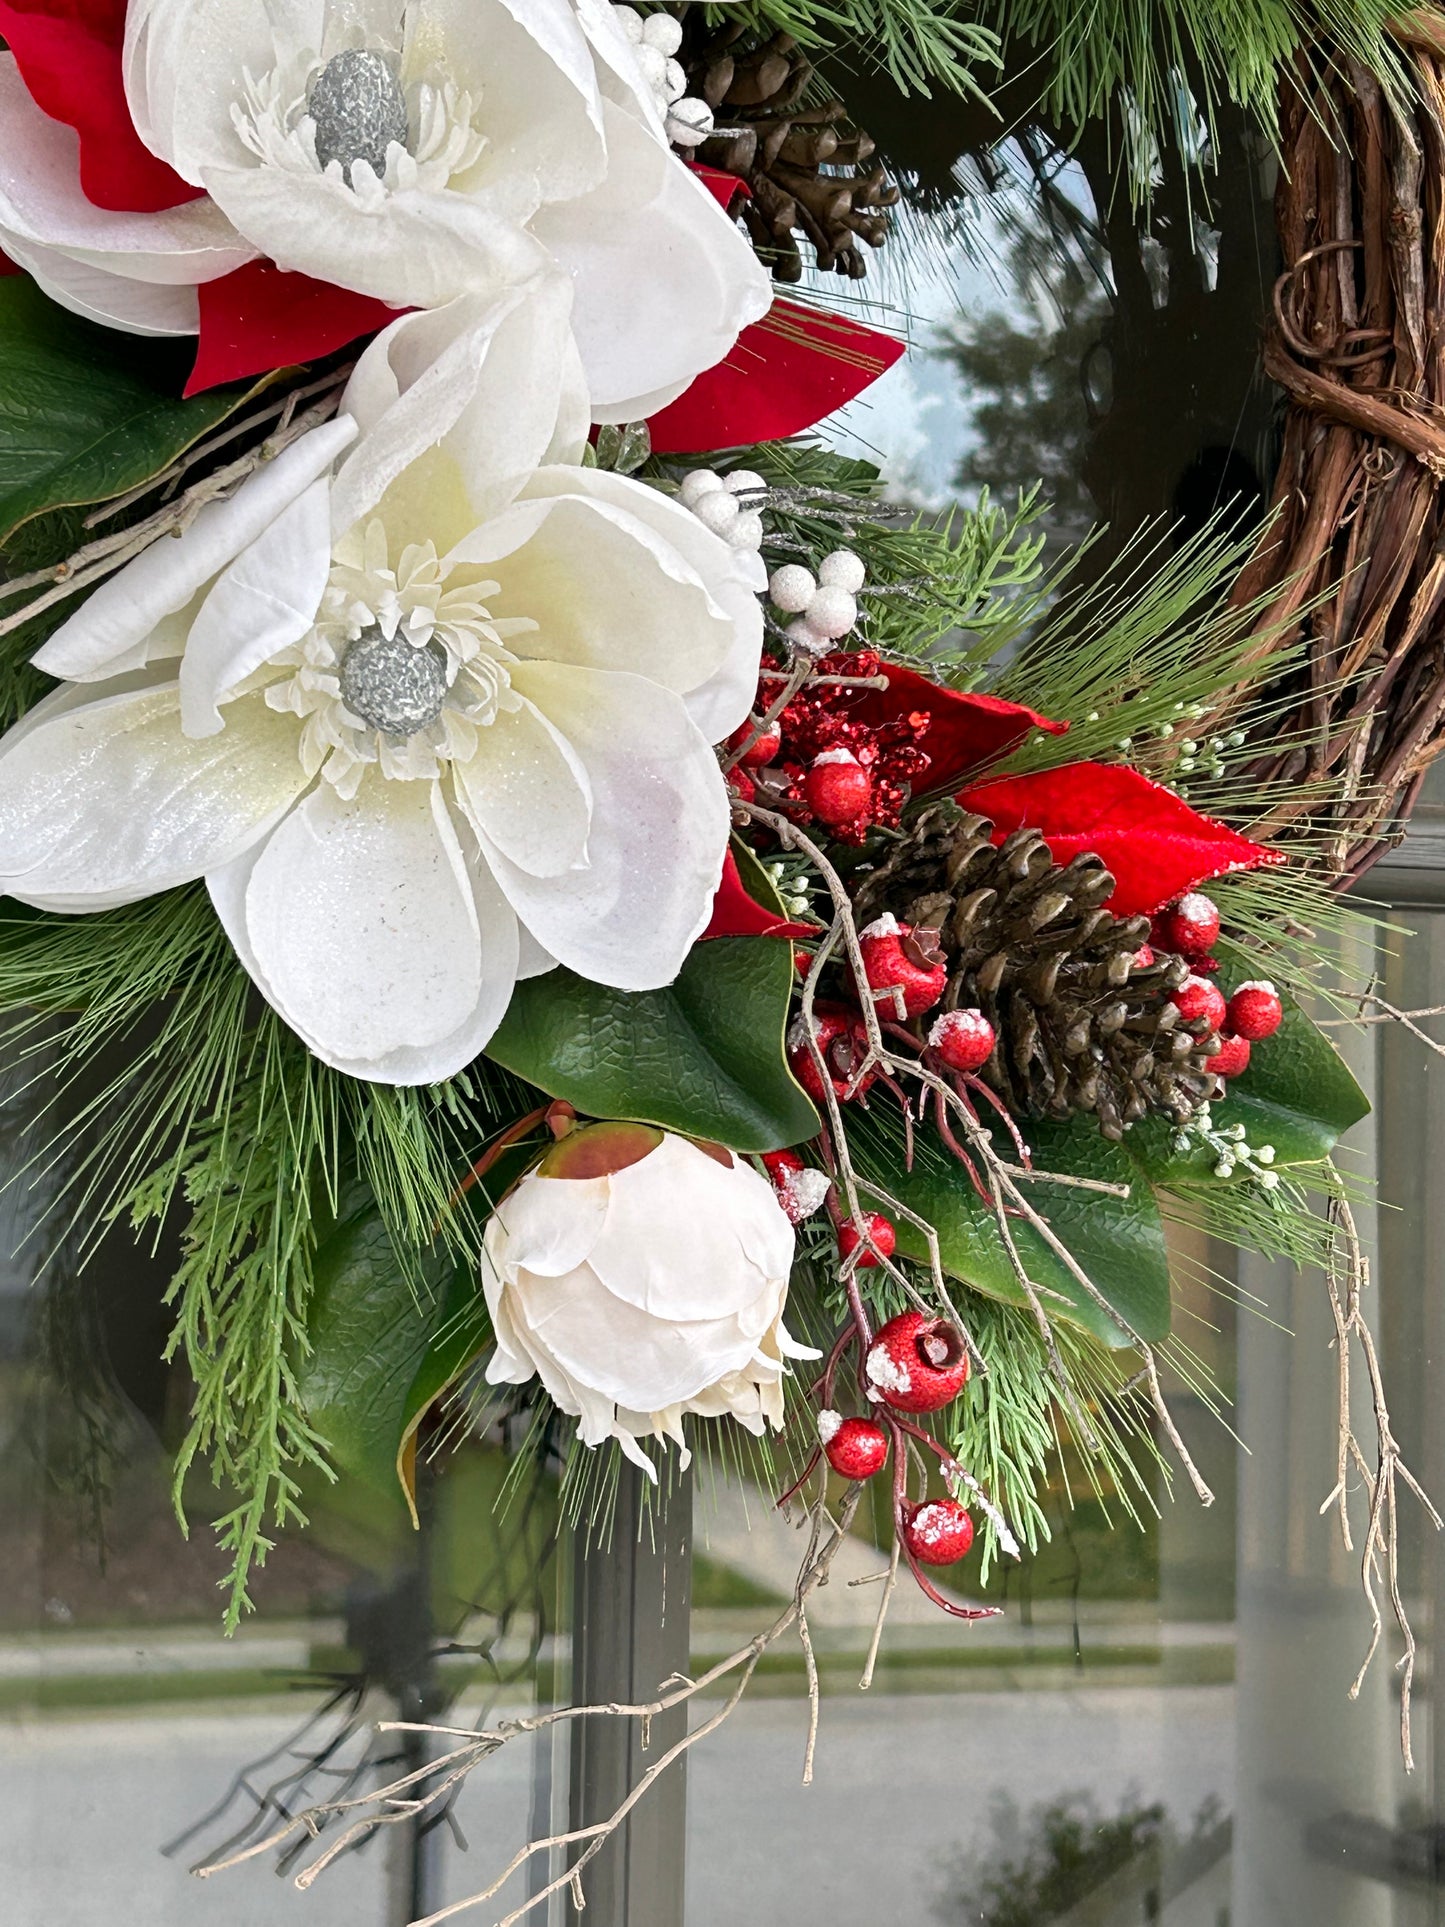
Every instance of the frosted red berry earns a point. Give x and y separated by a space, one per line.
1233 1057
963 1039
742 785
917 1363
1191 925
1198 997
762 745
837 789
801 1187
881 1236
903 961
843 1042
939 1532
1255 1011
1144 957
854 1447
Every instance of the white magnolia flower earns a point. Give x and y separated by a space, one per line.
638 1296
411 150
426 706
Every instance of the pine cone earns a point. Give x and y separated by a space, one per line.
807 165
1079 1026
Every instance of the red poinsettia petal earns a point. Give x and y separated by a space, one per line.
726 189
782 375
261 317
7 266
1156 846
736 914
966 732
68 54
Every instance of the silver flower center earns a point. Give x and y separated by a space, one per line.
393 685
358 107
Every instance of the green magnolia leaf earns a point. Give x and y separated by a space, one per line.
85 413
704 1056
1298 1094
369 1330
1119 1242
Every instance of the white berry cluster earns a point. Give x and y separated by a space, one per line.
656 38
1233 1156
726 504
825 606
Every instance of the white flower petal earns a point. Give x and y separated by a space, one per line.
665 281
106 798
41 203
362 924
605 591
613 1348
266 600
124 611
113 300
490 382
555 1222
659 830
732 577
650 1255
526 793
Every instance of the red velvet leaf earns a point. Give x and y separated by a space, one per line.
966 732
782 375
736 914
262 317
68 54
1156 846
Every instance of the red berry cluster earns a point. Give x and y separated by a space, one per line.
1190 927
821 765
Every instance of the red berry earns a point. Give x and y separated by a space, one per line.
963 1039
938 1533
898 958
741 784
762 749
880 1234
1143 958
917 1363
1233 1057
1255 1011
801 1187
843 1042
856 1447
1191 925
1198 997
838 789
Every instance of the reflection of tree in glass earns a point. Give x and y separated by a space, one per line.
1042 1867
1031 374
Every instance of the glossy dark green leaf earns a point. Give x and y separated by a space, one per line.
85 413
704 1056
1119 1242
369 1329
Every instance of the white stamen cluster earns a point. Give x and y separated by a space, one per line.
274 123
825 606
728 505
410 601
1233 1155
655 39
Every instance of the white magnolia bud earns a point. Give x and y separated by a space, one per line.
842 570
792 588
831 612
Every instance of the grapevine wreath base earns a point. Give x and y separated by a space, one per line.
585 919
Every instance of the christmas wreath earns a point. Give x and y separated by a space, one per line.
573 900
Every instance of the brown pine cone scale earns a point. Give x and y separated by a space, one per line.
1080 1025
